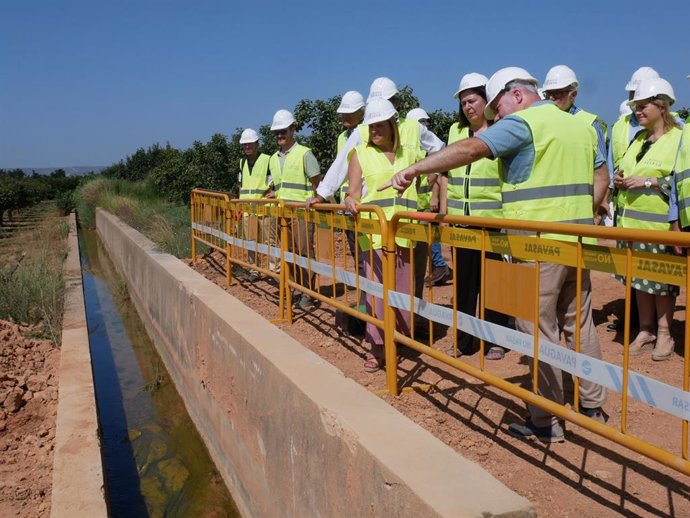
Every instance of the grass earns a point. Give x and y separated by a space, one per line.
141 207
31 283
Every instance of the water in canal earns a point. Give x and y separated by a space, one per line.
155 462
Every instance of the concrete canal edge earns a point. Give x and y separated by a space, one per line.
78 486
289 433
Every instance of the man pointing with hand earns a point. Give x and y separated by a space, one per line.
548 160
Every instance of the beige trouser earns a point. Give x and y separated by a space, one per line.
301 242
557 310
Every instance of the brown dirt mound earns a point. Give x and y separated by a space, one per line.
28 404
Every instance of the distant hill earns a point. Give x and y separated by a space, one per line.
70 171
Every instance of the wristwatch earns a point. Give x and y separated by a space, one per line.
648 183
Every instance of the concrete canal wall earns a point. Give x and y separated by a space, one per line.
291 436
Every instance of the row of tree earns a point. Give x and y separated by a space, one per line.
19 190
215 165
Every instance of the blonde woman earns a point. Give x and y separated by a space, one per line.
644 183
374 164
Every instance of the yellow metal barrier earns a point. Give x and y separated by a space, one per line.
278 240
211 223
498 292
327 279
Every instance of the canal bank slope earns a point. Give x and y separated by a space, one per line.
289 433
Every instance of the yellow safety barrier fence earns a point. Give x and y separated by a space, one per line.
310 250
513 288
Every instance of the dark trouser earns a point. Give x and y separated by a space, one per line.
352 242
469 271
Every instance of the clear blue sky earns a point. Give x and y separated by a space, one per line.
88 82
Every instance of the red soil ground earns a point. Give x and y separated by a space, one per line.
28 405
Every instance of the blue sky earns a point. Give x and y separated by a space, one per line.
88 82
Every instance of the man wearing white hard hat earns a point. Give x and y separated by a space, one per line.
560 86
254 183
533 189
412 134
295 173
428 199
351 111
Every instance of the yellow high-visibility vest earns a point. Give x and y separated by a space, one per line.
291 182
560 186
647 208
474 189
376 171
253 184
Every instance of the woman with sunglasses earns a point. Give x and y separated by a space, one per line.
373 164
472 190
644 183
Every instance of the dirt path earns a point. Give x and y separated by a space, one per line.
587 476
28 404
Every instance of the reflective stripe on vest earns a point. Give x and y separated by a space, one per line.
291 181
682 177
562 175
254 185
476 194
549 191
648 208
644 216
376 171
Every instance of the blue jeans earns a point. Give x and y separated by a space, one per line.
437 260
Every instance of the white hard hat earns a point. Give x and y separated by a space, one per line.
649 88
498 82
559 77
417 114
624 109
382 88
378 110
471 80
640 75
248 136
351 102
281 120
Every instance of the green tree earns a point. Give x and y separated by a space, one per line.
323 123
440 122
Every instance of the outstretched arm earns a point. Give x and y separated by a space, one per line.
457 154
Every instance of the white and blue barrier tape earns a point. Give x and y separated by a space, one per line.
655 393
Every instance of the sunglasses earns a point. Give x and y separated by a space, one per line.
557 94
279 133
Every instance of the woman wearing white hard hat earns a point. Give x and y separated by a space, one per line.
374 163
472 190
644 180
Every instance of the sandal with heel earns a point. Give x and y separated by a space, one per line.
644 341
665 345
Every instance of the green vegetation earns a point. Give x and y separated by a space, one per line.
140 206
150 190
174 173
31 285
18 191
